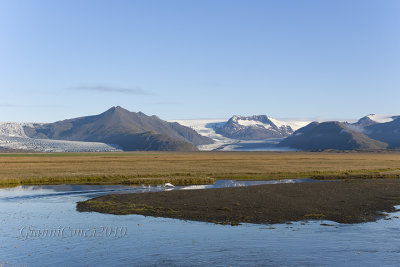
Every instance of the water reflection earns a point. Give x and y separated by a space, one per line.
30 192
171 242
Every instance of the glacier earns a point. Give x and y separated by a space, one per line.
12 136
206 127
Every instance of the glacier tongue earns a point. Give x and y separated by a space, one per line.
206 127
14 129
49 145
12 136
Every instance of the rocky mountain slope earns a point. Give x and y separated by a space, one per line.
256 127
118 128
330 135
385 128
128 130
388 132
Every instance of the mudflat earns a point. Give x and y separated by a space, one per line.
351 201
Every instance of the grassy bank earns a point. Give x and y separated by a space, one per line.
190 168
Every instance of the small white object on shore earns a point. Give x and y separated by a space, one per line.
168 185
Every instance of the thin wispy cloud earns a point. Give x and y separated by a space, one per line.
112 89
11 105
167 103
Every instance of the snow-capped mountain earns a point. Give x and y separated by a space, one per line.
257 127
372 119
380 118
385 128
365 123
210 127
239 133
370 132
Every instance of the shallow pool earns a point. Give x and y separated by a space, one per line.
33 217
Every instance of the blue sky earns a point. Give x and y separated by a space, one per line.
199 59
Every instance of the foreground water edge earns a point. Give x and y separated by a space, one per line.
160 241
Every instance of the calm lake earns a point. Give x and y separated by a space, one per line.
41 227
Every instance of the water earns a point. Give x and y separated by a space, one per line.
171 242
48 191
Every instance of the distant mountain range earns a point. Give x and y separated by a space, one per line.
128 130
245 133
370 132
119 129
261 132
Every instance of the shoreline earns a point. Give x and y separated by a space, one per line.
113 180
354 201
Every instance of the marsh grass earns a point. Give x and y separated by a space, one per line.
191 168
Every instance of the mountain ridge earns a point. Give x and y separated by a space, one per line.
330 135
129 130
256 127
137 131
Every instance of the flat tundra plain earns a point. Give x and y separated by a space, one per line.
191 168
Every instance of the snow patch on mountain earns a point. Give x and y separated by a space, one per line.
294 124
366 122
253 123
381 118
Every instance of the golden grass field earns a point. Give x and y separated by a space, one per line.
191 168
